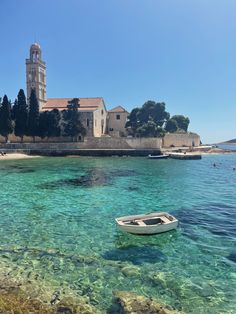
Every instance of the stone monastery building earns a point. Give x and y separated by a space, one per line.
94 115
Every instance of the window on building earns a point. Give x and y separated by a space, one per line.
95 122
102 111
118 117
87 122
41 77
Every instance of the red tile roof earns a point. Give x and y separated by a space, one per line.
85 104
118 109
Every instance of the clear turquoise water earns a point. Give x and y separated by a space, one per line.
57 226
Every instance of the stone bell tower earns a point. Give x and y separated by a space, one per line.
36 75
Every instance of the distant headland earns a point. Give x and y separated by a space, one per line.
233 141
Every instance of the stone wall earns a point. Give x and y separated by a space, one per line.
181 139
170 140
28 139
86 118
92 143
121 143
141 143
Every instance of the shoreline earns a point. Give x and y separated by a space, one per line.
23 155
16 156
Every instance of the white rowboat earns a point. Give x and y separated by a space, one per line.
151 223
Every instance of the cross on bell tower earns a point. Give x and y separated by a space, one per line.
36 75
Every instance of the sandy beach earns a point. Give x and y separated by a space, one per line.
13 156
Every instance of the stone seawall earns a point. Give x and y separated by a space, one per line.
92 143
104 146
89 142
181 139
85 152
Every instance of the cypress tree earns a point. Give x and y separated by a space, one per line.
33 121
54 127
6 125
49 123
13 110
72 125
20 111
43 124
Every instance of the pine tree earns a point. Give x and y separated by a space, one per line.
6 125
20 112
171 126
33 121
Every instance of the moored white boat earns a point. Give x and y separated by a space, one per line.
157 156
152 223
185 155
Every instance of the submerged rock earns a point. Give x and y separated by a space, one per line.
12 302
20 169
72 306
123 173
91 179
232 257
16 302
130 303
18 296
130 271
132 188
158 278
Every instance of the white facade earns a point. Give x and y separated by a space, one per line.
117 119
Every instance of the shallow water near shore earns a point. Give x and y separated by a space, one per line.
58 232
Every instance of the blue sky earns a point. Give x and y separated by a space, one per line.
182 52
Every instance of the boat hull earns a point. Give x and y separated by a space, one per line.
184 156
149 230
158 156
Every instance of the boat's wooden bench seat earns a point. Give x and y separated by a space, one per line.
165 219
141 223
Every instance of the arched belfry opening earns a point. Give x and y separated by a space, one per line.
35 52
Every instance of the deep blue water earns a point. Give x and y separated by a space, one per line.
227 146
57 229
